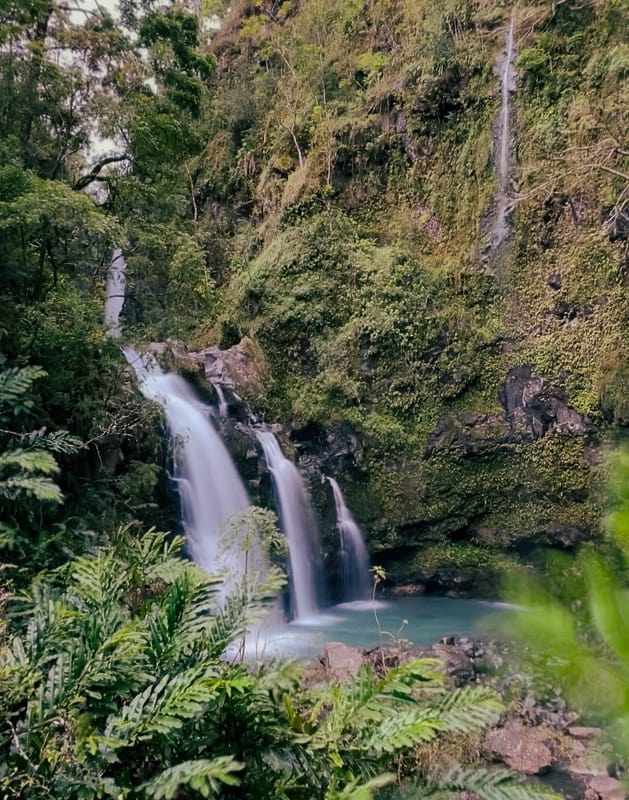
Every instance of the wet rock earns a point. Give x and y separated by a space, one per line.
408 590
532 409
557 534
583 732
602 787
520 747
238 367
468 435
535 408
591 762
457 663
456 654
342 661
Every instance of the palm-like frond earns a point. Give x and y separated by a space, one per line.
26 461
162 707
487 784
38 488
15 384
202 775
468 709
55 441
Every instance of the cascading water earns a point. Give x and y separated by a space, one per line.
223 406
115 289
503 139
209 486
295 521
354 555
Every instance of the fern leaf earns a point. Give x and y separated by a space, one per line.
39 488
55 441
202 775
15 383
402 730
468 709
485 783
29 461
163 707
360 791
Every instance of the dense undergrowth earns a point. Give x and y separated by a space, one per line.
316 179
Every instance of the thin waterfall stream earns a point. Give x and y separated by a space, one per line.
354 555
504 145
115 293
296 522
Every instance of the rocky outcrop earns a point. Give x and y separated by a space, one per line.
521 747
341 661
240 367
532 408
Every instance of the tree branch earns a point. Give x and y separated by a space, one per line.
85 180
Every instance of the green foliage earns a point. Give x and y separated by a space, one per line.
114 681
487 784
27 463
577 620
203 775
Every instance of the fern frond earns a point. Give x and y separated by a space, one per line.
468 709
29 461
8 536
55 441
99 581
14 384
485 783
355 790
38 488
241 610
163 707
202 775
401 731
420 673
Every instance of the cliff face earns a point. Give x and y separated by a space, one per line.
462 387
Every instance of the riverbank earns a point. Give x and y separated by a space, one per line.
537 736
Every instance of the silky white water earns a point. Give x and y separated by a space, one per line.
296 523
209 486
115 289
223 407
354 555
503 142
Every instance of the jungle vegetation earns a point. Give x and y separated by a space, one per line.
314 178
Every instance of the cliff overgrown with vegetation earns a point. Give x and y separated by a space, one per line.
316 182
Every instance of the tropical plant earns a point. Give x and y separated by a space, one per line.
114 683
27 457
576 621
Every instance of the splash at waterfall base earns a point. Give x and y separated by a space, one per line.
230 538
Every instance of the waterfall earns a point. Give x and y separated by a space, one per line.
223 406
354 555
297 525
209 486
503 140
115 289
